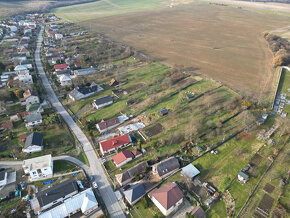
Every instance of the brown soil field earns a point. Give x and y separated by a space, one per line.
221 42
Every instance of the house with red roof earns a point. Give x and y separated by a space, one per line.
167 198
123 157
106 125
137 153
7 125
112 145
77 64
60 66
22 137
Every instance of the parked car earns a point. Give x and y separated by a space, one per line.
95 185
80 184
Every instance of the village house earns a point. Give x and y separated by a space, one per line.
38 167
32 99
122 158
58 67
106 125
53 58
166 167
136 153
7 125
21 70
82 204
112 145
243 177
167 198
58 36
27 64
134 193
59 73
25 79
54 195
83 72
190 171
102 102
114 82
33 120
23 51
33 143
83 92
64 80
129 175
198 212
22 137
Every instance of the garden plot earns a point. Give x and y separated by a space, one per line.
154 130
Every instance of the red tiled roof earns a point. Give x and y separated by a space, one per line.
168 195
136 152
7 125
198 212
77 64
23 114
60 66
115 142
22 137
122 156
108 123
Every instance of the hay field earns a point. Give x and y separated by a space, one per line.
221 42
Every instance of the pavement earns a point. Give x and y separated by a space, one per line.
95 169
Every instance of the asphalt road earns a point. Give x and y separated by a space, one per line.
96 169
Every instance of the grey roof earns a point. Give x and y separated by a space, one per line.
167 166
62 72
103 100
33 117
135 192
85 71
130 173
87 90
34 138
56 192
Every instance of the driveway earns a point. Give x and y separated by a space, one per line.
95 169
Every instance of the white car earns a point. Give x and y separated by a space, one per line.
80 184
95 185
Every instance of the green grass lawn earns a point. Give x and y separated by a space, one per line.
62 166
231 158
109 165
82 157
217 211
103 8
145 208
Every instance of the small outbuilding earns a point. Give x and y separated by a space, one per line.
190 171
163 112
